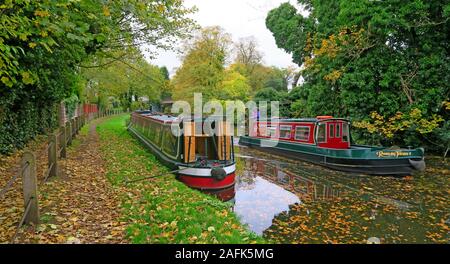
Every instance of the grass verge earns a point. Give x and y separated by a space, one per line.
163 210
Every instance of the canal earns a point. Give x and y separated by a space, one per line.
288 201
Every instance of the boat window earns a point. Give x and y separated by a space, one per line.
302 133
338 130
321 133
285 131
272 131
152 134
169 142
151 131
157 136
345 132
262 130
331 130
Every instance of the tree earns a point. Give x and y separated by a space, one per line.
166 90
235 86
45 43
125 80
165 72
203 67
365 56
247 54
277 79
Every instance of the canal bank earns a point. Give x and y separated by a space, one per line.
162 209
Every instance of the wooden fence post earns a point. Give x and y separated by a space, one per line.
52 155
77 125
72 124
29 180
69 134
63 142
61 114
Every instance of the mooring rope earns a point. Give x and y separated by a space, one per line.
155 176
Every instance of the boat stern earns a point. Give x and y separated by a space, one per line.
208 178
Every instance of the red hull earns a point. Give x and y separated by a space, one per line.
207 183
222 194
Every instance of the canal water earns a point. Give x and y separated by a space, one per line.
289 201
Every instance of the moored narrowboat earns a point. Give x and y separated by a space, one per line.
201 161
325 140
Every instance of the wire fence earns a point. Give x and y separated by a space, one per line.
56 149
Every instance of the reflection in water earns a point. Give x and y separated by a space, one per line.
224 195
264 189
258 201
296 202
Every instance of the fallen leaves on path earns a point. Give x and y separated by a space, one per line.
11 204
80 206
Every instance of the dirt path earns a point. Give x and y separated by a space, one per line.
80 206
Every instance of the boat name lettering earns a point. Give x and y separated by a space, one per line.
383 154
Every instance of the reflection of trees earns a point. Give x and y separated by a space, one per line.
306 188
310 190
246 179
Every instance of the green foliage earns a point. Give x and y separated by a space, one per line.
409 123
365 56
71 104
127 79
235 86
267 94
276 79
203 67
44 43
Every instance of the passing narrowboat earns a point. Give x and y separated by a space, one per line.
201 161
326 141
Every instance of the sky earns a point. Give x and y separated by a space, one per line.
240 18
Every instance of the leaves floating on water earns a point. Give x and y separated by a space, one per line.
341 208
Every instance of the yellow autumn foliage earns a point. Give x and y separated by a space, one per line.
400 122
333 76
346 42
446 105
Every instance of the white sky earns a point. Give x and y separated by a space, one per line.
240 18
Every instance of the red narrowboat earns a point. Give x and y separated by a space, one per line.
326 141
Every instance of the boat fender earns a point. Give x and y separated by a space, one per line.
218 173
418 165
373 240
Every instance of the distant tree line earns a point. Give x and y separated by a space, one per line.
222 70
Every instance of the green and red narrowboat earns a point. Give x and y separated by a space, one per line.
202 161
325 140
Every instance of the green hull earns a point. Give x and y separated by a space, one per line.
359 159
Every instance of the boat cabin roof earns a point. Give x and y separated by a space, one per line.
305 120
167 119
161 117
